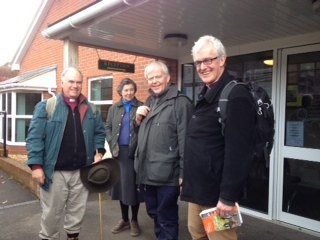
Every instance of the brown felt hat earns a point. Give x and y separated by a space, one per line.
100 176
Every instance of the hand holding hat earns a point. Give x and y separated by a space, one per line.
100 176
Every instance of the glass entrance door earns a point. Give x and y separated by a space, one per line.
299 134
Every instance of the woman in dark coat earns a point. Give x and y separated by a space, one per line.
122 140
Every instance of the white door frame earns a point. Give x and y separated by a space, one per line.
283 151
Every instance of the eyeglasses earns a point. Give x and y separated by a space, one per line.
206 61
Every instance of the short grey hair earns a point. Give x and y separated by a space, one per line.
66 70
206 40
151 66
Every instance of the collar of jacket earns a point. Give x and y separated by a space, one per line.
211 94
80 99
170 92
83 104
134 102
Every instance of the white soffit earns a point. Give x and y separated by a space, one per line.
37 80
46 80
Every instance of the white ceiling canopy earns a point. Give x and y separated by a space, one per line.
141 25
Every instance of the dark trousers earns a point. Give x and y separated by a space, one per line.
162 206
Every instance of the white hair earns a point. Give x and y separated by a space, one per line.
66 70
150 67
206 40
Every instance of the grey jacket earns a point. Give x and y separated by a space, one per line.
113 127
159 154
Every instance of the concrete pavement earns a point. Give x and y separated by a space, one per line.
20 219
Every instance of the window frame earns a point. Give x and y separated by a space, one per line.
101 102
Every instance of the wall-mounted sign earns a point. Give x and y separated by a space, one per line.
115 66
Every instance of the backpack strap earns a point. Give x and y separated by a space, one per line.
223 101
51 105
93 108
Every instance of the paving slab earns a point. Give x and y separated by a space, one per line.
20 219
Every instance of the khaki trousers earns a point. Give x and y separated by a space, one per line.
66 195
196 228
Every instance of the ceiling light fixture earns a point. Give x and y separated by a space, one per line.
268 62
175 39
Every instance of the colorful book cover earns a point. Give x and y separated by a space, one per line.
213 222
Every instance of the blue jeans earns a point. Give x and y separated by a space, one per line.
162 206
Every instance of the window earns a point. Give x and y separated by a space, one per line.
303 101
251 68
9 103
3 102
26 102
19 107
100 93
100 89
22 126
191 83
3 109
301 184
248 67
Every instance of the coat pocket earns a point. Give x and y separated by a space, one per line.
161 171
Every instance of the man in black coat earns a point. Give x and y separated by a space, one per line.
215 165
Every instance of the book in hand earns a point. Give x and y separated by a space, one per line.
212 222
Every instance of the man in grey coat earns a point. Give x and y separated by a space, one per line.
159 156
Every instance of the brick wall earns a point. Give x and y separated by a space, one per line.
88 62
47 52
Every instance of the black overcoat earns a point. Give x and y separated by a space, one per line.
216 166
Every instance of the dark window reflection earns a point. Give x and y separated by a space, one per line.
104 111
256 191
25 103
301 188
252 68
303 101
101 90
22 126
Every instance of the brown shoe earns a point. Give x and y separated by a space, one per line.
134 229
121 225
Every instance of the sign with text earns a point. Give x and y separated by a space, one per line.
115 66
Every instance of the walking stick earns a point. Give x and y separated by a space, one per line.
100 215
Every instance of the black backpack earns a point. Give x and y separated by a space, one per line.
264 132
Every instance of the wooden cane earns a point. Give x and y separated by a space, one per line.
100 211
100 214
